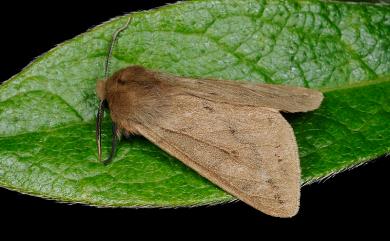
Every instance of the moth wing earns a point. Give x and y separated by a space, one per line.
248 151
280 97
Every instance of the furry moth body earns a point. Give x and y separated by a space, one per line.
229 132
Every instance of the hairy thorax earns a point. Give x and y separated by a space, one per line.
134 96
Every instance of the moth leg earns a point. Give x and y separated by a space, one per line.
126 134
116 133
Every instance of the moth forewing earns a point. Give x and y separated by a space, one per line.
278 97
229 132
254 159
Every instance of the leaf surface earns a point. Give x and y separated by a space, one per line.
47 129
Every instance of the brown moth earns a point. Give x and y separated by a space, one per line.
230 132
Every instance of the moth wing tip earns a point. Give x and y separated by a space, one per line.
286 207
290 211
313 100
319 96
287 210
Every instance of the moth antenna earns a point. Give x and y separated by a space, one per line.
100 113
112 45
115 138
99 119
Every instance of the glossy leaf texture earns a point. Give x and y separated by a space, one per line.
47 112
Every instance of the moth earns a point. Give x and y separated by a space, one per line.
230 132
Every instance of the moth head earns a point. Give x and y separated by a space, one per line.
131 74
119 82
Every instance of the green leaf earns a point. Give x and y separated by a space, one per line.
47 128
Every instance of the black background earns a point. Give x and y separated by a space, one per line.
357 197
